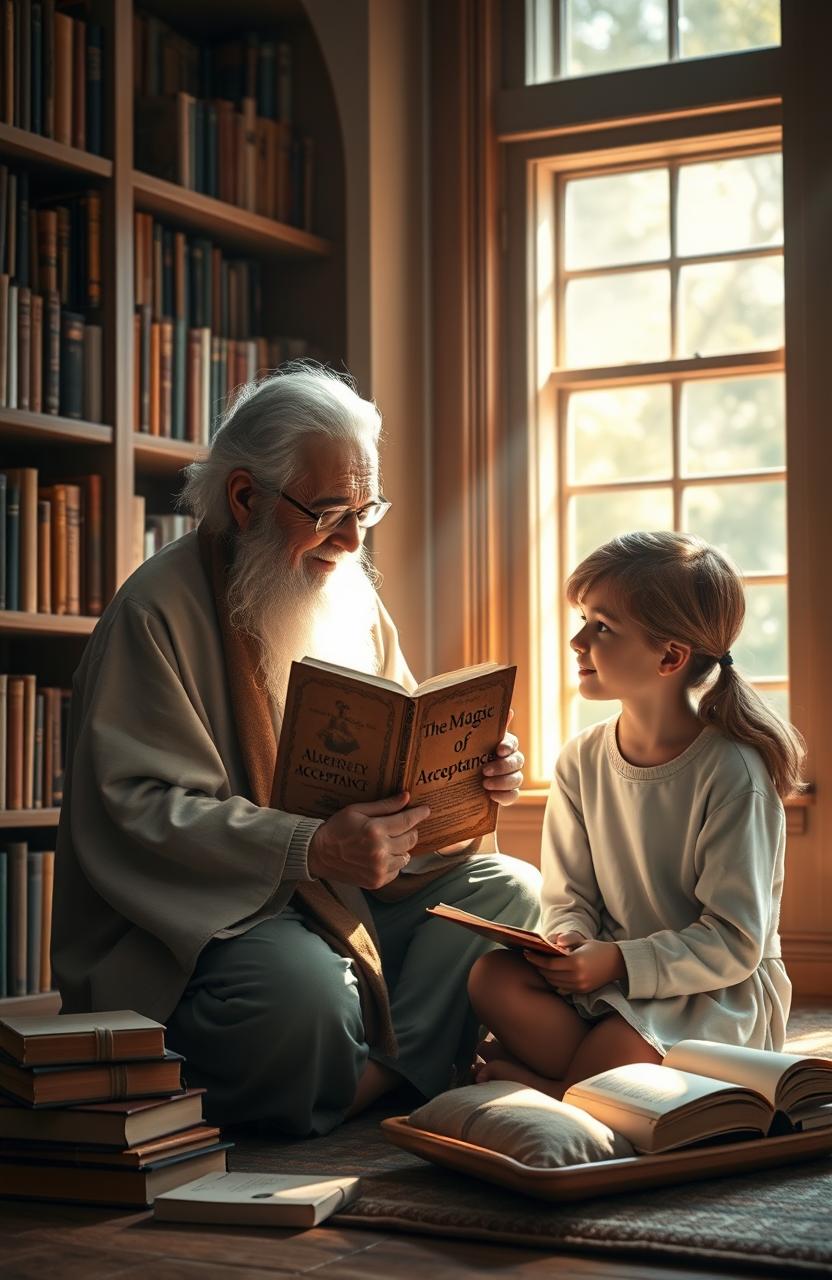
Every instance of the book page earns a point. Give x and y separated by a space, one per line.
645 1088
759 1069
244 1188
455 677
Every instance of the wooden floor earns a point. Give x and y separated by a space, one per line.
40 1242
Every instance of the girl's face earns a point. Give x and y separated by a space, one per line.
613 656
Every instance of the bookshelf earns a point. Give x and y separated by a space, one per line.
303 297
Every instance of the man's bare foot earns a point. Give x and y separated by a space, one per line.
508 1068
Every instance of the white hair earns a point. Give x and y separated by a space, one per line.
264 427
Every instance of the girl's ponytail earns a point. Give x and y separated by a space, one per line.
733 707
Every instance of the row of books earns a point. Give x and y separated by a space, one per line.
51 243
26 879
52 64
95 1111
158 531
50 360
235 156
185 376
252 66
51 544
33 727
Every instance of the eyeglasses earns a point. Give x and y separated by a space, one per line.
328 521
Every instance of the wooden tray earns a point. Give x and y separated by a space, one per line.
608 1177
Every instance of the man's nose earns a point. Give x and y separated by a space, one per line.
348 534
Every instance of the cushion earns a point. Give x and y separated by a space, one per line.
516 1121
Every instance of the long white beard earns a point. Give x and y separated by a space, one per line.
297 612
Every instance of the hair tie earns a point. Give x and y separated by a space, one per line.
726 660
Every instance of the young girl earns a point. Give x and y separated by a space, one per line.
663 837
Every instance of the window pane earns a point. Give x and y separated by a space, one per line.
621 434
733 424
618 319
731 306
606 35
730 204
762 648
747 521
639 230
594 518
714 26
583 713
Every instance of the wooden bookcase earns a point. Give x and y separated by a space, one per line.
304 294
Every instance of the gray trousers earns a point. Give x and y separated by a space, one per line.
271 1024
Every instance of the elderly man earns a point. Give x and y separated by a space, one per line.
292 959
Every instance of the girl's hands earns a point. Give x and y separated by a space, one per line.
586 967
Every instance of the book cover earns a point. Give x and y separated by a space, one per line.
4 705
114 1035
37 771
104 1124
4 929
136 1188
4 336
48 17
94 547
27 481
63 78
72 364
73 549
36 355
29 699
95 56
44 556
14 745
138 1157
79 83
507 935
348 737
258 1199
39 1086
24 345
52 351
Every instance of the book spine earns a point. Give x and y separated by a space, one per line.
36 367
95 56
24 339
47 881
17 886
52 352
7 82
29 698
48 10
28 589
79 83
44 556
63 78
13 543
34 892
92 202
72 364
37 788
94 550
48 714
93 372
37 68
59 564
4 340
24 66
73 549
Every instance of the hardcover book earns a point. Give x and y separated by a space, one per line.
507 935
115 1035
93 1082
257 1199
704 1091
348 737
103 1124
31 1180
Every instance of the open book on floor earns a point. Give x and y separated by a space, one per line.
507 935
258 1199
348 737
705 1092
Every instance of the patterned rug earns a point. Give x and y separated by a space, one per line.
778 1221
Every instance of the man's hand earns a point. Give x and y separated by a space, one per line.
366 844
503 777
588 966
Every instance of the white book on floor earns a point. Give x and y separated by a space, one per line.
257 1199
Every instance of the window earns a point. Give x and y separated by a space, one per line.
669 376
569 38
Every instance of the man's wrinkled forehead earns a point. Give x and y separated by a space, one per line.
335 473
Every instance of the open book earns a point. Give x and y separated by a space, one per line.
257 1199
704 1091
348 737
507 935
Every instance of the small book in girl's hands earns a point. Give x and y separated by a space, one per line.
507 935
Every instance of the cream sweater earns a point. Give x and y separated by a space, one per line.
681 865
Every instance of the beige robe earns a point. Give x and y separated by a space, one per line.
159 849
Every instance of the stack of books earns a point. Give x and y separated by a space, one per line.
95 1112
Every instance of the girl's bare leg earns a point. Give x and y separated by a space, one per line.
535 1028
612 1042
